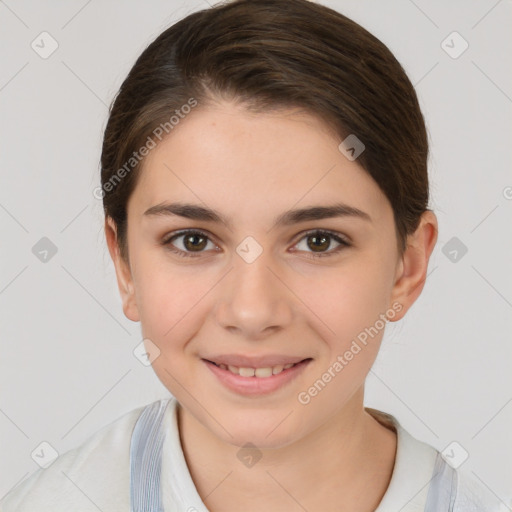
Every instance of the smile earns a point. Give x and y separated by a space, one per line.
256 372
256 381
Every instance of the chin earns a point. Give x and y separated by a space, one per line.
270 434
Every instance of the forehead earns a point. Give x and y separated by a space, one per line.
240 162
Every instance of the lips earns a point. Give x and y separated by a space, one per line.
261 367
259 381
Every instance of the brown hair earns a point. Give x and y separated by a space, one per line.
270 55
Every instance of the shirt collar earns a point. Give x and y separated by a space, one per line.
407 490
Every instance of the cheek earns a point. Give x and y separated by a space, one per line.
169 300
170 307
350 302
350 298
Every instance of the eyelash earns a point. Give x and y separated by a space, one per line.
319 232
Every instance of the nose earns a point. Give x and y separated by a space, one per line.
254 300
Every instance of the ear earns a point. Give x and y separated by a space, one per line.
412 268
123 272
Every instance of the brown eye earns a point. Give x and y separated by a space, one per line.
194 242
319 242
187 243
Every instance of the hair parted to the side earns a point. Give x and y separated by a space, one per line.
270 55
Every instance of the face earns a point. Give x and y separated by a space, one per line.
305 288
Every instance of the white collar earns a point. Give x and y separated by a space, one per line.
407 491
414 467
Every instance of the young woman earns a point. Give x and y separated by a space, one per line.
264 180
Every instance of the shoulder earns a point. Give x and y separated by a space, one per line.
92 476
423 480
472 495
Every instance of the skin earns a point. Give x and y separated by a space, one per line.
329 454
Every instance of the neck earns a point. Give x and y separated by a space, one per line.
335 464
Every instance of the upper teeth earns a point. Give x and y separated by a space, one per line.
258 372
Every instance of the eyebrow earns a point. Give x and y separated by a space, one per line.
198 212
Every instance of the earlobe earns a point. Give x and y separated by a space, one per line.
412 269
123 272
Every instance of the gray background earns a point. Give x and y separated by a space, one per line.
67 366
